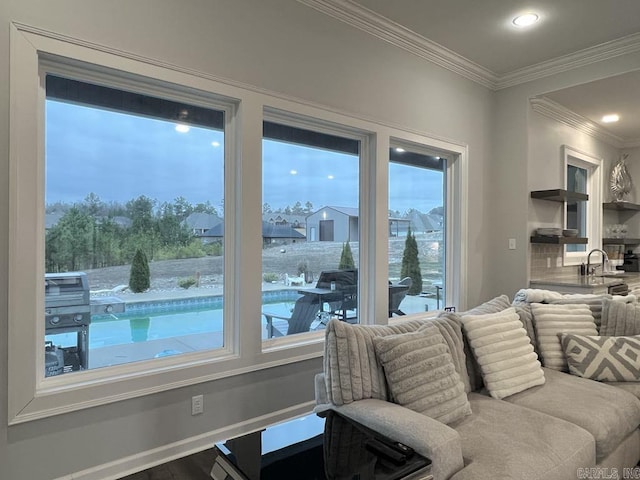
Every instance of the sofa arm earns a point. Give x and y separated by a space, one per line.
426 436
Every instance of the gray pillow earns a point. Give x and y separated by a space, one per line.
421 375
606 359
620 318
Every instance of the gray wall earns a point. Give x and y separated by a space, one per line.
279 45
527 157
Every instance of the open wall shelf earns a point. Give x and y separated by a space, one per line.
559 240
621 241
621 206
558 195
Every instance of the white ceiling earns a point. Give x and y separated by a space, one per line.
479 37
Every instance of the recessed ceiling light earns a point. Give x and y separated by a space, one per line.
182 128
526 19
613 117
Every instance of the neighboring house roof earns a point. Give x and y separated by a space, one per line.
425 222
292 219
349 211
268 231
202 221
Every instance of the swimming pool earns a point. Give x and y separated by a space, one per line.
166 319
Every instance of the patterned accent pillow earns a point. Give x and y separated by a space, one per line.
421 375
504 352
620 318
551 320
606 359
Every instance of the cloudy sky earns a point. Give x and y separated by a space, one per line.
120 157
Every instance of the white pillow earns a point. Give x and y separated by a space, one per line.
504 352
551 320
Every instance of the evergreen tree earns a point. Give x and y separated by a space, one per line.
346 258
140 277
411 264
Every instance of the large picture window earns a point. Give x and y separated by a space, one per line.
417 227
168 229
310 229
133 208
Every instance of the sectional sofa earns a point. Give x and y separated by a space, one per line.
496 392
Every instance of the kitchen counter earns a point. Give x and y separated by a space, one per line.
574 283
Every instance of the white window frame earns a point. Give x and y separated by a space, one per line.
593 166
31 396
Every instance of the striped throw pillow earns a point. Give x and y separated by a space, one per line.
607 359
504 352
552 320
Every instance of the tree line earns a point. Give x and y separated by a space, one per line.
90 235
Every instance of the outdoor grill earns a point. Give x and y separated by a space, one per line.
68 309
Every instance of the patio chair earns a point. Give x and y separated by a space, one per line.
305 311
397 292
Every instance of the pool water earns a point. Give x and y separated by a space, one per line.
155 324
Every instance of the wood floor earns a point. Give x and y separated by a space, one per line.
194 467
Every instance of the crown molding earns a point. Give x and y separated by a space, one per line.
400 36
385 29
587 56
555 111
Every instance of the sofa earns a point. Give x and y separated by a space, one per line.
505 403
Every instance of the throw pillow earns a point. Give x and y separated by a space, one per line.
421 375
351 369
607 359
504 352
620 318
592 300
551 320
494 305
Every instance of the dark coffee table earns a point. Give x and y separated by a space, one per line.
316 448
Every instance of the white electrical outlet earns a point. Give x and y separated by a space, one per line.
512 244
558 262
197 404
548 262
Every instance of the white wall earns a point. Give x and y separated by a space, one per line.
281 46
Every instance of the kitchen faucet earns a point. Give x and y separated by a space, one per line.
605 259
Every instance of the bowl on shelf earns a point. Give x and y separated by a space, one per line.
570 232
549 232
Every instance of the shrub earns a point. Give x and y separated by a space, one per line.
411 264
346 258
187 282
270 277
140 276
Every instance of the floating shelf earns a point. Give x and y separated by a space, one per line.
620 206
559 195
559 240
621 241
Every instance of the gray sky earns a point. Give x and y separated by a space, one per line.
120 157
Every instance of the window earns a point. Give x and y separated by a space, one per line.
417 226
93 181
133 226
582 176
310 228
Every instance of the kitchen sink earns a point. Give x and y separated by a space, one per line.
614 275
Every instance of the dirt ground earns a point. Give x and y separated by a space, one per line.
281 260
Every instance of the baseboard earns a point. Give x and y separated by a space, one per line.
157 456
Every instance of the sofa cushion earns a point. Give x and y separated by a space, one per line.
421 375
502 440
614 359
631 387
608 413
503 351
351 369
620 318
551 320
